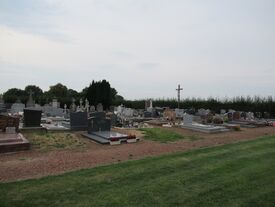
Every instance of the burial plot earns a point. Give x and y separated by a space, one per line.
99 130
10 140
189 124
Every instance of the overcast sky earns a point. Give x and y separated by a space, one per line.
144 48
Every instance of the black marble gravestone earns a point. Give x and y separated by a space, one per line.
97 124
32 117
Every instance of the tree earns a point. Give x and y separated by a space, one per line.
57 91
99 92
13 94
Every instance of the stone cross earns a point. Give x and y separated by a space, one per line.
179 89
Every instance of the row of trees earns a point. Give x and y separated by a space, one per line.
96 92
102 92
254 104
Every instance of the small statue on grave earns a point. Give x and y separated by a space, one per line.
81 104
87 106
73 106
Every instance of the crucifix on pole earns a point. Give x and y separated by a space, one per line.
179 89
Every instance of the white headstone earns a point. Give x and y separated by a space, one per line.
187 119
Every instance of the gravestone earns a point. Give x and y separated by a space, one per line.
266 115
9 121
79 121
99 107
11 130
203 112
250 116
258 115
92 108
179 113
236 115
97 124
230 116
223 111
187 119
243 115
128 112
32 117
55 103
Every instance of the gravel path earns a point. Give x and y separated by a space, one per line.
35 164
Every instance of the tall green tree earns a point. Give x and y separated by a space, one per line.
99 92
14 94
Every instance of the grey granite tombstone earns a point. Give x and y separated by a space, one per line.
79 121
32 117
187 119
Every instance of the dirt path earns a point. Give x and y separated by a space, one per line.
35 164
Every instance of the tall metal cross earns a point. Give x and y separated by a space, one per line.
179 89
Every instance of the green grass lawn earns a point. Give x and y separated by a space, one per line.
47 141
165 135
241 174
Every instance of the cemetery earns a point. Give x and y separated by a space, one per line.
102 126
38 140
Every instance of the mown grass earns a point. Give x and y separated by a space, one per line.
241 174
44 141
165 135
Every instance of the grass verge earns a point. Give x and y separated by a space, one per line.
241 174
